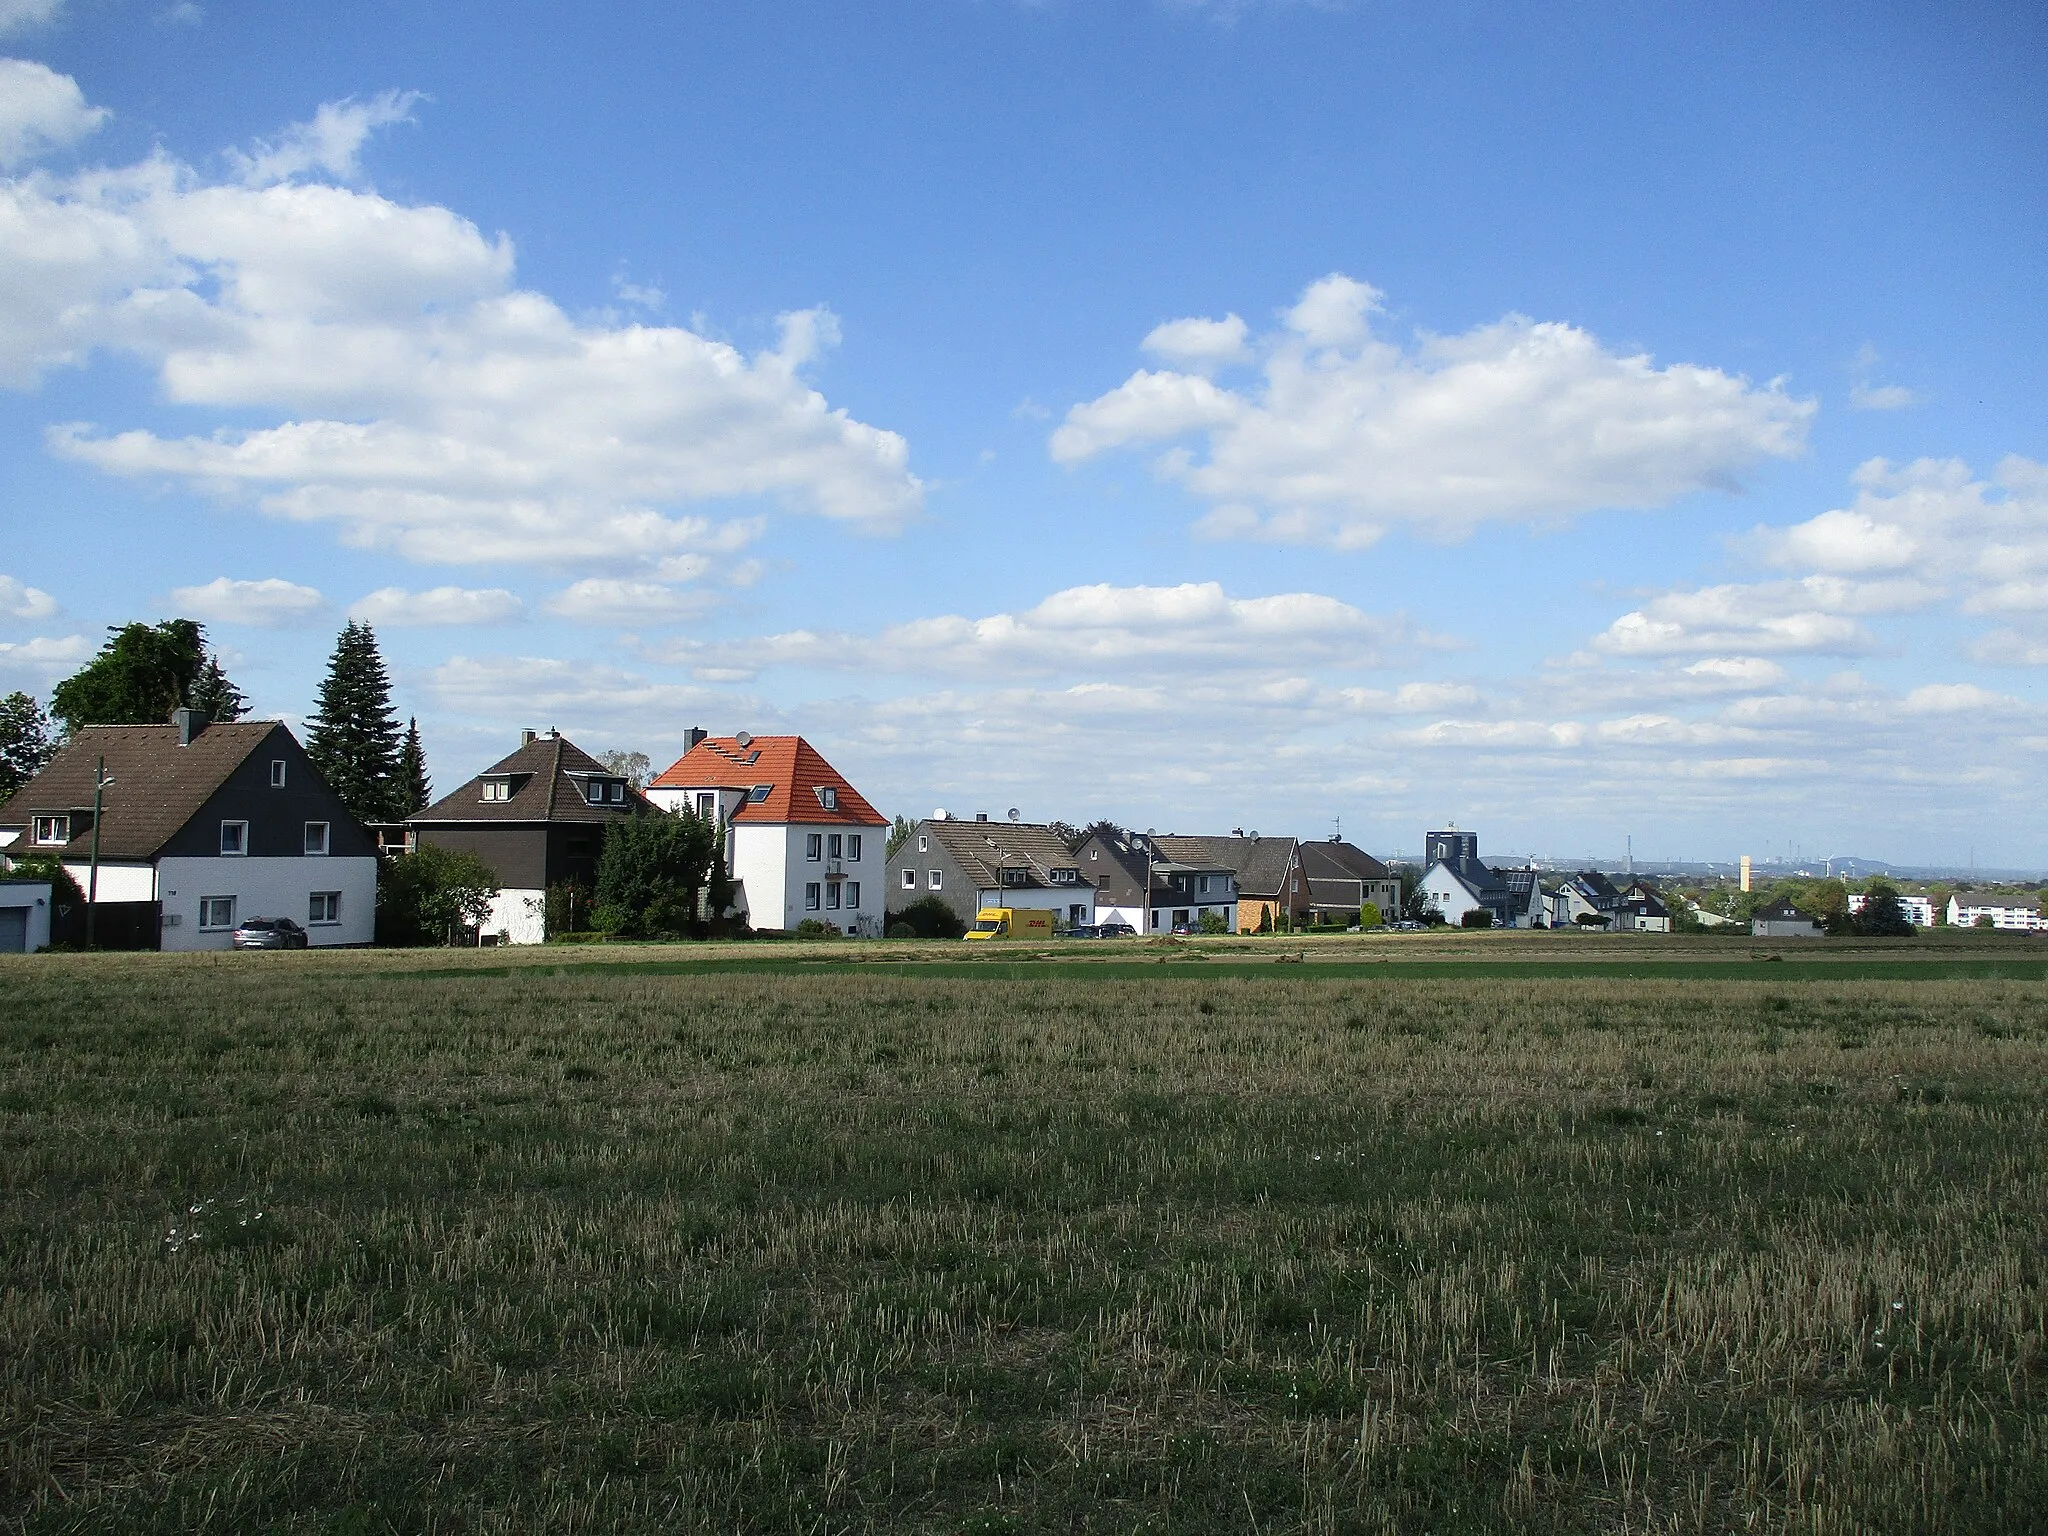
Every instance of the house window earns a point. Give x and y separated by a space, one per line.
707 807
234 837
835 846
277 773
853 846
596 792
828 797
316 837
811 896
1205 885
52 830
619 793
1094 853
832 896
923 846
324 907
758 793
932 880
910 879
853 893
216 911
814 846
497 789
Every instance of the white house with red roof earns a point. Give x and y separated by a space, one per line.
800 841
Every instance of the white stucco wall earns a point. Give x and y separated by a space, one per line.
262 888
1451 897
1058 899
122 882
518 916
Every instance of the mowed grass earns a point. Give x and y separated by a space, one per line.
524 1247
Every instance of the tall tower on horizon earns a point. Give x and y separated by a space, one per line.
1745 871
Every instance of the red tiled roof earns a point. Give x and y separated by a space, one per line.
789 765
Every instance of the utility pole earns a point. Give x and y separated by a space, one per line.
100 781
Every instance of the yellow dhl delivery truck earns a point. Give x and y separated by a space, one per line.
1011 923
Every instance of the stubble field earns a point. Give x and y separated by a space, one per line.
487 1243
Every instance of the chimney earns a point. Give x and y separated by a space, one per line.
981 815
528 738
188 723
693 735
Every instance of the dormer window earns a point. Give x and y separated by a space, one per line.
497 789
619 792
828 797
52 831
594 792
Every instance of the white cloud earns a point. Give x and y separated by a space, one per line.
607 600
1200 343
1346 435
394 607
20 15
272 603
40 110
1194 627
331 144
43 660
423 403
19 601
2010 648
1955 698
1881 397
1816 615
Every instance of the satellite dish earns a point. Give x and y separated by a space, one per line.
942 814
1013 813
743 740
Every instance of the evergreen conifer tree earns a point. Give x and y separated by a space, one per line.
412 769
214 696
353 735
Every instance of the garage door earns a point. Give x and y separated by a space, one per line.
13 930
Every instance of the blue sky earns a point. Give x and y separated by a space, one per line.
1203 415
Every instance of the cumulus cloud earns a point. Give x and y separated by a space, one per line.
1344 434
609 600
43 660
394 607
1195 626
1817 615
272 603
20 15
1881 397
422 402
40 110
20 601
330 144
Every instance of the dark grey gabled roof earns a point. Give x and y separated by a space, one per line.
984 848
1259 863
158 784
1334 860
547 777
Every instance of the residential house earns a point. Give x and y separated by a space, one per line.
1642 910
202 826
536 818
1918 910
2014 913
801 843
1268 885
1455 882
1341 879
969 865
1782 920
1590 895
1143 884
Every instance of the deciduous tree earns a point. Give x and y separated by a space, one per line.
141 674
25 744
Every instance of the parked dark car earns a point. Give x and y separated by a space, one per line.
1081 931
269 933
1114 929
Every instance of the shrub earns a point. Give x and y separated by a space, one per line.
1212 923
1477 917
1370 916
928 918
429 895
902 931
1592 920
651 871
811 928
